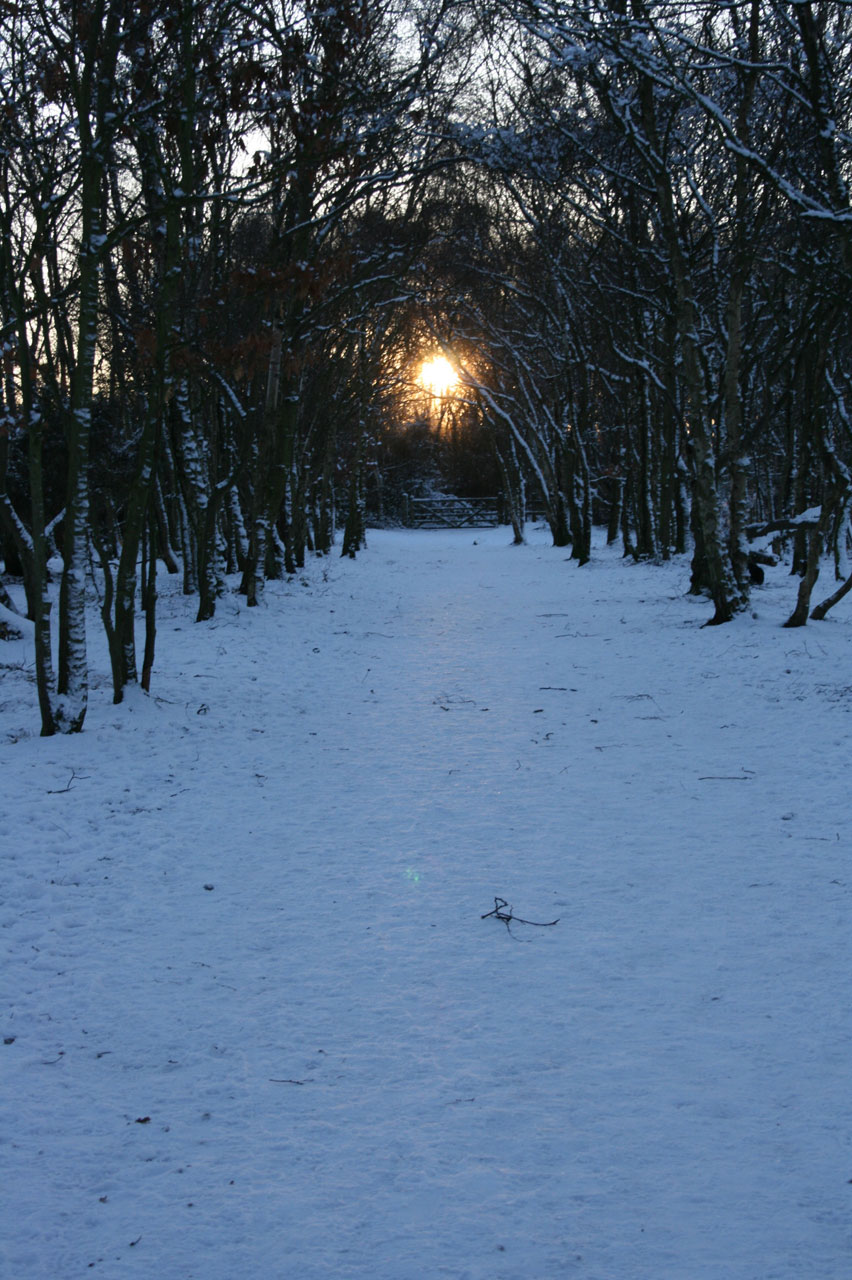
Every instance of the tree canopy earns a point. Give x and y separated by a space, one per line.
231 236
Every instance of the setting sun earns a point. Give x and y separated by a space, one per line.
439 377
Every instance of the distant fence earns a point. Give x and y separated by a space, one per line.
450 513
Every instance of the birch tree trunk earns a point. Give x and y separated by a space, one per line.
72 683
92 78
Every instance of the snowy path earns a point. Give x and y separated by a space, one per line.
343 1072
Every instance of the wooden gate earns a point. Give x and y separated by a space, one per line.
450 513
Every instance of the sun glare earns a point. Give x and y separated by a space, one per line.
439 377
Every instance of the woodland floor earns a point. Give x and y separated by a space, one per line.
253 1022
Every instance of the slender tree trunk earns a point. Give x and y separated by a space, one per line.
140 497
355 528
742 253
72 683
163 535
820 611
511 497
40 604
270 475
149 604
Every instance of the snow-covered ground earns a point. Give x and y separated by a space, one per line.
254 1025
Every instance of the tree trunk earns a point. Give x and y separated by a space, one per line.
355 529
72 683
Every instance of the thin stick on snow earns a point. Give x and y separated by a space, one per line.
506 916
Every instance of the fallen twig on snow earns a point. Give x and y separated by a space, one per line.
500 913
75 777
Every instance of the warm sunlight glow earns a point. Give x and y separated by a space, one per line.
439 377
